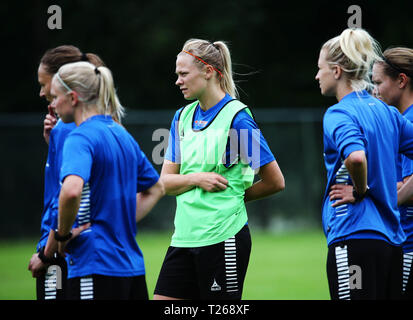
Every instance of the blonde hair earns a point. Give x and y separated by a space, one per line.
355 51
218 56
94 86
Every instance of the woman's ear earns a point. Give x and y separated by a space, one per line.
74 98
337 71
403 80
209 72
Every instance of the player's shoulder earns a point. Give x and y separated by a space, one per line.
178 112
338 109
87 130
242 112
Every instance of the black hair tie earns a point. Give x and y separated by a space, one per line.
397 68
214 45
84 57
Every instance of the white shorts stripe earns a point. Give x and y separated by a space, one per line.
86 288
50 289
407 265
231 265
343 273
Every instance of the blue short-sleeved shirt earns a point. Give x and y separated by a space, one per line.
51 179
406 212
113 169
362 122
252 147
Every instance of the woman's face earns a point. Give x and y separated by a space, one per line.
62 102
386 88
325 76
191 80
45 81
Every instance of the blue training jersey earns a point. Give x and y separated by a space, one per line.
114 170
362 122
51 179
252 148
406 212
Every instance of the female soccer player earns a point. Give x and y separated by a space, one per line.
362 139
51 61
393 81
103 172
214 146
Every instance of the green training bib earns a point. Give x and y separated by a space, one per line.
204 218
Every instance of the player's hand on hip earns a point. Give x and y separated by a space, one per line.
342 193
76 231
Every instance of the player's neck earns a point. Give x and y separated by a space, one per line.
82 114
406 100
343 89
210 99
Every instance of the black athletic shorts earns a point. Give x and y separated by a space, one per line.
52 285
364 269
214 272
98 287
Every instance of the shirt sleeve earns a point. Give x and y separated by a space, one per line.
173 152
77 157
252 146
406 136
147 175
344 132
407 167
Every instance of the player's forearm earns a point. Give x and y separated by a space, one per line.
405 193
272 181
51 245
262 189
405 196
176 184
147 199
68 207
69 203
356 164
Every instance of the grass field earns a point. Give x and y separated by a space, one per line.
287 266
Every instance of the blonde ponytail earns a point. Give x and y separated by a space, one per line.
94 86
108 99
355 51
227 81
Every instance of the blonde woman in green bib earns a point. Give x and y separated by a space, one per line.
214 148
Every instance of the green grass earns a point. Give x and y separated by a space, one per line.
288 266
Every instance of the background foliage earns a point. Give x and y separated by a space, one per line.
274 45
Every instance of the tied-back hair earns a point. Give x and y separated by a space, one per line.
398 60
217 55
54 58
94 85
355 51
